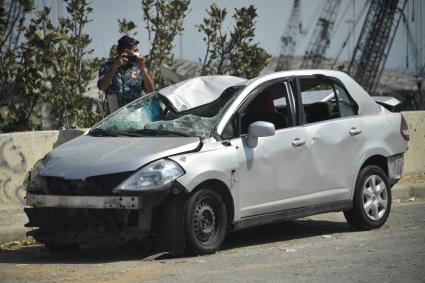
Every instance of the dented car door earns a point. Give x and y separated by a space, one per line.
270 173
335 139
274 164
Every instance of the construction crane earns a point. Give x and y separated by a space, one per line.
349 34
419 69
289 38
321 37
374 42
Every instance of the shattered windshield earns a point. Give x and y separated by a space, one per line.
153 115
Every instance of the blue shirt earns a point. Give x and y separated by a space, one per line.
127 83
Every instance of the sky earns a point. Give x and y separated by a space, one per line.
270 24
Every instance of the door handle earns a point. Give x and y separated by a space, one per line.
355 131
298 142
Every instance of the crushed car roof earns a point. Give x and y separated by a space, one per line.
198 91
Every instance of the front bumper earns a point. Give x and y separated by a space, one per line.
92 220
96 202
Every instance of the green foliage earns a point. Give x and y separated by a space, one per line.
60 51
12 17
164 20
126 27
279 68
13 92
232 53
51 68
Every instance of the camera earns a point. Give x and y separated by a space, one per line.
132 57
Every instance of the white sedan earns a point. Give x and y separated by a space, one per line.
192 161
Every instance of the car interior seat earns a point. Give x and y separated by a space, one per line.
318 111
263 109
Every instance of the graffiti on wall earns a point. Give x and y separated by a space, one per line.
13 166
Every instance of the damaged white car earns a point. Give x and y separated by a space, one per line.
192 161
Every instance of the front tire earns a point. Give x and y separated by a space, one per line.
372 199
205 222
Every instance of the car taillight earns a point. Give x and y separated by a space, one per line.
404 129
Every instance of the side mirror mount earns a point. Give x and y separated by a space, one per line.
259 129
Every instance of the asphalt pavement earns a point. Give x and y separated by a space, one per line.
323 248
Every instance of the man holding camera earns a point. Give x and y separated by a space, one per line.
126 76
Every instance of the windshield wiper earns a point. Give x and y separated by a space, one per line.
98 132
153 132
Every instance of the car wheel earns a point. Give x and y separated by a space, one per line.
372 199
205 222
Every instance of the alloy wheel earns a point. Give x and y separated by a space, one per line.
375 197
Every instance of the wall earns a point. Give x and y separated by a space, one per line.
18 153
414 162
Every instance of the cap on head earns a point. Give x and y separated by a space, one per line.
126 42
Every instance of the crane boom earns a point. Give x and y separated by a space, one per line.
321 38
374 43
288 40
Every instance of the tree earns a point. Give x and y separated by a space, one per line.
12 17
52 67
164 21
232 53
66 65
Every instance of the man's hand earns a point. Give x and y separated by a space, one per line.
148 85
120 61
141 64
106 81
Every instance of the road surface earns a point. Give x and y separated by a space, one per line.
316 249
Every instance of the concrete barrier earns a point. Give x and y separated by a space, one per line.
414 162
18 153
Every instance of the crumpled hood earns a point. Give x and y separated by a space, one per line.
87 156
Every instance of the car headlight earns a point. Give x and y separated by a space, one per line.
156 175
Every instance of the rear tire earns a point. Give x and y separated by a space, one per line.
372 199
205 222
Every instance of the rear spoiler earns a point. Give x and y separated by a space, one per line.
389 102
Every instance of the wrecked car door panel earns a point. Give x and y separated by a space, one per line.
256 176
278 168
297 177
335 133
335 147
273 171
